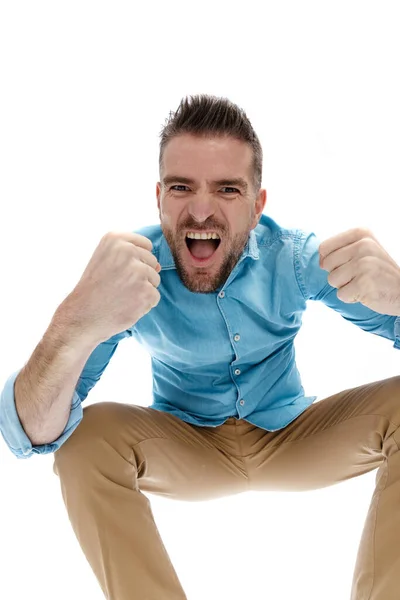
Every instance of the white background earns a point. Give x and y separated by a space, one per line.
85 90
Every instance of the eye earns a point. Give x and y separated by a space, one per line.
230 188
175 186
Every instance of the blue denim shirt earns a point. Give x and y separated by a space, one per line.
229 353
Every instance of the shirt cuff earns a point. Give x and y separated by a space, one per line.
13 432
397 333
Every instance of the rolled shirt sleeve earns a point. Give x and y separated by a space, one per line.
10 425
13 432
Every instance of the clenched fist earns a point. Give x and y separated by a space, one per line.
117 288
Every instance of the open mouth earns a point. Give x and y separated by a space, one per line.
201 251
202 248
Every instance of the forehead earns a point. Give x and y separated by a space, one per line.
197 156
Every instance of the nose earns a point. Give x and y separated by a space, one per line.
201 207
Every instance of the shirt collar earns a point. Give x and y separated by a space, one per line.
167 262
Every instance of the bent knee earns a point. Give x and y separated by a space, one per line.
97 418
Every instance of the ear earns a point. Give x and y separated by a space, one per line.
259 206
158 194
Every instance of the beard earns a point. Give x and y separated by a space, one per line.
206 280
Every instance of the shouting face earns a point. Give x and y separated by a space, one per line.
207 207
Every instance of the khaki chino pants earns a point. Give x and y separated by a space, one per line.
120 450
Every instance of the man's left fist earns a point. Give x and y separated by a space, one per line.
362 271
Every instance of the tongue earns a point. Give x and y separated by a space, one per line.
202 248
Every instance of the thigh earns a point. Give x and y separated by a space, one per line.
345 435
167 455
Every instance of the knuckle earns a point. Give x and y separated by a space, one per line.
364 232
110 235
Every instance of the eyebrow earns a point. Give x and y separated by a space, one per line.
238 181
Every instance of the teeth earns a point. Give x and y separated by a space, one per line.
202 236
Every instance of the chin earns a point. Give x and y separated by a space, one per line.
196 289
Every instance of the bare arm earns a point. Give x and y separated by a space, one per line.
116 289
45 386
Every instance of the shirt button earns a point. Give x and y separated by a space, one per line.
237 371
241 402
237 337
221 294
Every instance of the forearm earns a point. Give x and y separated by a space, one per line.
45 386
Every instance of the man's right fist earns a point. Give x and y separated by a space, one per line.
117 288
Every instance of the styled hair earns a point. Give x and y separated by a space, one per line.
205 115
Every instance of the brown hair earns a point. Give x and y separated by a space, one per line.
205 115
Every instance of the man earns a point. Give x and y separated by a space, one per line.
216 294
